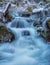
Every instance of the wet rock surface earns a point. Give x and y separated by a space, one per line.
45 30
46 33
25 33
48 23
5 34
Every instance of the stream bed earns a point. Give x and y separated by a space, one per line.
28 48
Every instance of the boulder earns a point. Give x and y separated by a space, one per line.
48 24
4 13
46 35
13 11
25 33
25 14
6 34
29 9
46 32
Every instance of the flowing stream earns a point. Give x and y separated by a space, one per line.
27 48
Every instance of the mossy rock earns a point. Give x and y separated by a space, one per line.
6 34
29 9
46 35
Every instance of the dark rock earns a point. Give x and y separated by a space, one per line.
41 4
35 23
46 1
25 33
48 24
37 1
7 18
40 29
46 33
29 9
38 17
13 11
0 0
25 14
47 5
4 12
47 9
6 35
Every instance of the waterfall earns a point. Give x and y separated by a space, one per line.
27 48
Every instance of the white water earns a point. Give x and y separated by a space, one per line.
25 49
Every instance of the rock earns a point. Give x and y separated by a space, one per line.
8 13
13 11
40 29
0 0
29 9
48 24
34 6
35 23
37 1
46 1
37 10
47 6
40 14
41 4
25 14
47 9
5 34
25 33
46 33
4 13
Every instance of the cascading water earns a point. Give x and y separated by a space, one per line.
27 48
